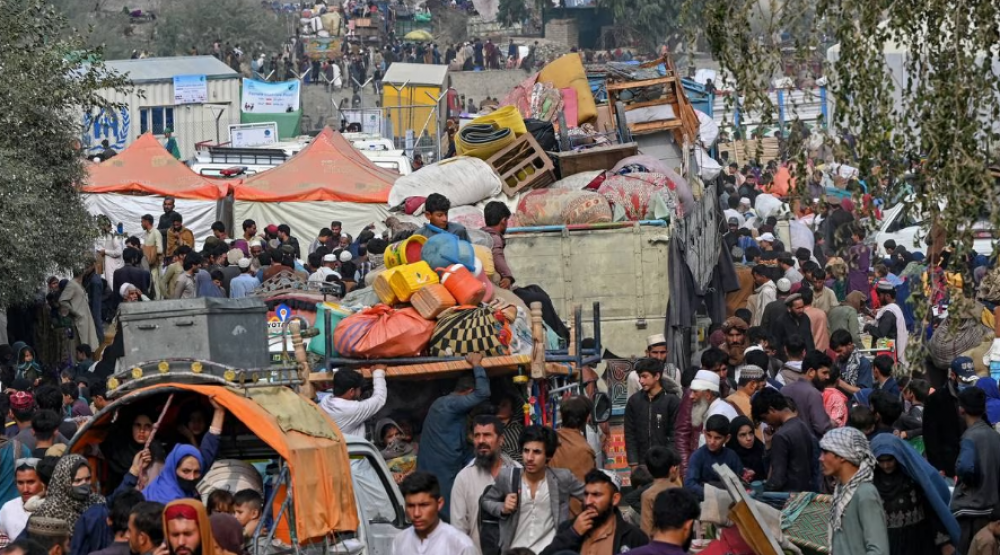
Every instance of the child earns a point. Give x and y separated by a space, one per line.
436 209
665 466
911 424
220 501
248 505
985 541
700 471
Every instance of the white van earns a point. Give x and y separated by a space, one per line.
394 160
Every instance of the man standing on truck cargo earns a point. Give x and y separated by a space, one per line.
650 414
345 407
443 446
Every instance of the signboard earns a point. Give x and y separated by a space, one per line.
190 89
260 97
248 135
369 118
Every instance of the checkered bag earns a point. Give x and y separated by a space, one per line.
464 329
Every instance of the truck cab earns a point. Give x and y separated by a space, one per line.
381 511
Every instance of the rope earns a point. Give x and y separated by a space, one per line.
149 440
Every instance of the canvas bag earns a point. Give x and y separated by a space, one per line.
489 525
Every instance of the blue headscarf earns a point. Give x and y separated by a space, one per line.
165 487
924 475
989 385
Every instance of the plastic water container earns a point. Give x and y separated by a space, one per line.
407 280
462 284
445 249
432 300
406 251
382 287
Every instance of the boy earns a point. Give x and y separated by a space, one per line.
714 451
436 209
665 466
247 506
985 541
911 424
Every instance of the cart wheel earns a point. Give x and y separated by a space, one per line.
564 144
623 131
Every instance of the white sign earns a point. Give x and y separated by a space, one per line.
246 135
260 97
190 89
369 118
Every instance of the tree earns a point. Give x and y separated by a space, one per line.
511 12
923 135
652 22
47 80
186 23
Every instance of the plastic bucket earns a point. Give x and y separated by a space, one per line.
407 280
403 252
462 285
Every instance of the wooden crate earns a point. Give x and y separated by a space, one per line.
597 158
744 151
522 165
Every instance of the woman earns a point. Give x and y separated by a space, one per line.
119 449
69 492
989 385
743 441
27 367
915 498
179 478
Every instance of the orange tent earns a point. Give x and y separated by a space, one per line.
145 167
329 169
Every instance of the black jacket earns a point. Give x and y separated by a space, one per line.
649 423
943 429
627 538
788 325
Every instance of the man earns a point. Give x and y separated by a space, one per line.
691 419
178 235
749 380
794 450
98 395
600 529
496 215
705 398
978 468
131 273
328 237
777 307
118 519
246 283
443 442
793 321
166 220
327 268
656 348
436 209
44 425
529 511
174 270
731 238
50 533
345 406
807 392
767 241
152 250
942 424
674 513
171 144
817 321
107 152
22 408
109 248
574 453
855 370
24 546
219 231
422 496
883 376
787 265
823 297
735 329
73 302
249 230
650 414
13 515
889 321
765 293
472 481
185 286
857 519
186 527
285 236
845 316
664 466
145 527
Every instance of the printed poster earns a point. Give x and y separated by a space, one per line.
190 89
260 97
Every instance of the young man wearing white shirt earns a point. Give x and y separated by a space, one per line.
13 516
428 535
345 406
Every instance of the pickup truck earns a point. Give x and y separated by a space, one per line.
623 266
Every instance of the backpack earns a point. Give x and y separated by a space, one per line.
489 525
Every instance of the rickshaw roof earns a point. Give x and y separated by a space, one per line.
297 429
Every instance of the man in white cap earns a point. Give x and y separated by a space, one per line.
328 268
764 293
706 400
889 322
244 284
776 308
766 241
656 348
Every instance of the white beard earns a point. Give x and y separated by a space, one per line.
698 411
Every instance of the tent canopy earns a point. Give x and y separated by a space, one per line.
145 167
329 169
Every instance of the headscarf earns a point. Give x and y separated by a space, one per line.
27 370
59 503
856 300
752 458
119 449
165 488
190 509
227 532
851 445
924 475
989 385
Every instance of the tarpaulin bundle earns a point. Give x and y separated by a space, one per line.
482 140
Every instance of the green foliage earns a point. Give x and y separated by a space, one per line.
186 23
45 83
510 12
652 22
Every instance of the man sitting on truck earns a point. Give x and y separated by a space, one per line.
436 209
496 215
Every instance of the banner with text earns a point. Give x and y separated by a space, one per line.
190 89
260 97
